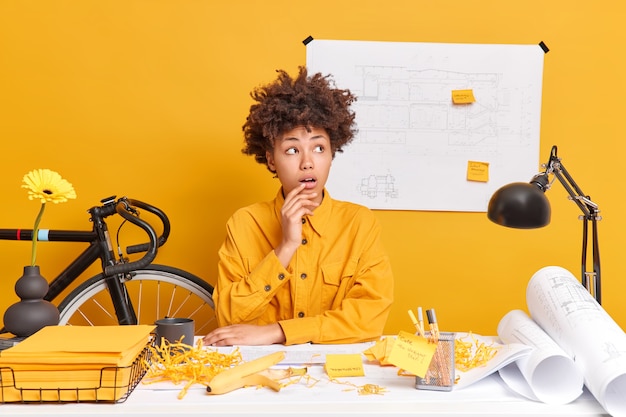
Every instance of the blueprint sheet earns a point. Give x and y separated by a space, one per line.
415 148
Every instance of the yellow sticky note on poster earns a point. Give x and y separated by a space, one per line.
463 96
412 353
477 171
341 365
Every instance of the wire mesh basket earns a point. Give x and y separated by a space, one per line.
440 374
111 384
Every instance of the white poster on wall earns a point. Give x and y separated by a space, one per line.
440 126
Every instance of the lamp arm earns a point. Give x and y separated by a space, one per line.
590 280
596 264
584 203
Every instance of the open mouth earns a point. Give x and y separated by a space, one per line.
309 183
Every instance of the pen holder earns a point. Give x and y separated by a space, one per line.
440 374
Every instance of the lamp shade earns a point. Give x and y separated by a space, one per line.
519 205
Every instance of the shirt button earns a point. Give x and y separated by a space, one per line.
303 220
281 276
303 276
267 287
304 241
301 314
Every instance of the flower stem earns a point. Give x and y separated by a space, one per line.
35 233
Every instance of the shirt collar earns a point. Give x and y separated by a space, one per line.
321 215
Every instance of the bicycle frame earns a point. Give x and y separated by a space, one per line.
100 247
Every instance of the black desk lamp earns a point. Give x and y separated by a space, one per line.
524 206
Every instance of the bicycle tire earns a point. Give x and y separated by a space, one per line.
156 291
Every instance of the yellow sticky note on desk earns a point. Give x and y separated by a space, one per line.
477 171
412 353
380 351
340 365
463 96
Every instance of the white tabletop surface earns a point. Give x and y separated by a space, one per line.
487 397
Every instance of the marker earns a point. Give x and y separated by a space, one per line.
413 319
432 321
419 329
420 317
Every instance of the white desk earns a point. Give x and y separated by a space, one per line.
488 397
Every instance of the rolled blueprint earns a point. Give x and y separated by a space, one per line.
547 374
568 313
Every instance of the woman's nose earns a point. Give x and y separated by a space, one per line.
307 162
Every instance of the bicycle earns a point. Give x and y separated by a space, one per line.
125 292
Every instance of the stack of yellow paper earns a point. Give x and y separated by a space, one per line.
72 363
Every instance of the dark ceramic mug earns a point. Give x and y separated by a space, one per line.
175 330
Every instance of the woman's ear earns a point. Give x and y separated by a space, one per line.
270 161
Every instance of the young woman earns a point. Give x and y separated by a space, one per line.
301 267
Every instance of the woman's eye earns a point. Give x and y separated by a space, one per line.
291 151
319 148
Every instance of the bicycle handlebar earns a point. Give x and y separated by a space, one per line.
126 208
143 247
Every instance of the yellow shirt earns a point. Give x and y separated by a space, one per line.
338 287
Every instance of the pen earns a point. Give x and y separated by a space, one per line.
434 327
418 326
413 319
420 317
415 323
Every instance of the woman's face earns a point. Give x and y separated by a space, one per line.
302 156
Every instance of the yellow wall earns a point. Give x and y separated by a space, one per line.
147 98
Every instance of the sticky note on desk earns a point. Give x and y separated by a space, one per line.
412 353
380 351
341 365
463 96
477 171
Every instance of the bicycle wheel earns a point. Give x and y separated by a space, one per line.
156 291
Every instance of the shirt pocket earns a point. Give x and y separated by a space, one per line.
338 279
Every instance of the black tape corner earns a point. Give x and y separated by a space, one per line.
307 40
544 47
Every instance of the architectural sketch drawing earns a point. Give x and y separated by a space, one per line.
378 186
413 143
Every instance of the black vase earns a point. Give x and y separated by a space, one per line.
33 312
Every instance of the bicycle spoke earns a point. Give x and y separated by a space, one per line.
169 307
182 304
158 302
207 324
85 317
104 310
139 303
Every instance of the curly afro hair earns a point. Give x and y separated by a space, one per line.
286 103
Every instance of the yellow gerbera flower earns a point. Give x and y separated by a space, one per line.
46 186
